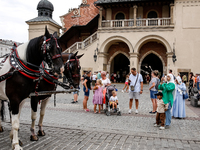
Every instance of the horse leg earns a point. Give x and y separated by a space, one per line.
16 143
34 105
1 128
42 112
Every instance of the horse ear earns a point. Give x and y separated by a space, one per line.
46 32
55 34
79 56
75 54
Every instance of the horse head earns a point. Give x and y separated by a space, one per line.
52 52
72 68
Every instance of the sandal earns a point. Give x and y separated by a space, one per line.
87 110
96 112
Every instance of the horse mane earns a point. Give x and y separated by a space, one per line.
33 53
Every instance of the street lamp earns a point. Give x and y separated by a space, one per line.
174 55
95 55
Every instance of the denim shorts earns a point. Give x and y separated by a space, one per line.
86 93
152 94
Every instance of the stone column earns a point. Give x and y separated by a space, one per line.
134 60
100 17
172 13
135 14
102 60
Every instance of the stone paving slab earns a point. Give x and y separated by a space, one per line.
67 116
76 139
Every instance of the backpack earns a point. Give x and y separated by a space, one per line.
157 84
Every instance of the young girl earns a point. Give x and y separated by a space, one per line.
114 101
98 95
126 84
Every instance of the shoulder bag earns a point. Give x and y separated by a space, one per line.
133 87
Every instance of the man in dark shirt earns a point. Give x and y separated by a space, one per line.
86 89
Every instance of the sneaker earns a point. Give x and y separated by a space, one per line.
73 102
136 111
162 128
166 127
115 110
150 112
129 111
122 91
155 125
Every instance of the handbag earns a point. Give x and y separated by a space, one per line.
185 95
195 90
133 87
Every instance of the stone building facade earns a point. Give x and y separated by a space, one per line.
145 34
37 25
6 46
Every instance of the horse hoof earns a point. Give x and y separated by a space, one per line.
17 147
34 138
20 143
41 133
1 129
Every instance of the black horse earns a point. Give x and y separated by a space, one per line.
23 64
72 73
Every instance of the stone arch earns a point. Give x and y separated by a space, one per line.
152 52
111 40
151 38
115 54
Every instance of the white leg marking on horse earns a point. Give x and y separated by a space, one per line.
15 127
42 112
33 118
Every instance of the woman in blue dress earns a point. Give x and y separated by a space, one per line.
178 110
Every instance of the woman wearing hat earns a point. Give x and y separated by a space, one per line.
168 90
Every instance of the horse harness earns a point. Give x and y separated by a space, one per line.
21 66
69 67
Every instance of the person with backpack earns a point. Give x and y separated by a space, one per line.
153 87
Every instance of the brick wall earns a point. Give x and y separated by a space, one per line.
117 47
87 13
157 47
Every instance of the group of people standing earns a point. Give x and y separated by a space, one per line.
170 102
100 84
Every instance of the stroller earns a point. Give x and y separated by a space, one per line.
108 95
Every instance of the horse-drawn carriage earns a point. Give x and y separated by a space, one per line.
31 70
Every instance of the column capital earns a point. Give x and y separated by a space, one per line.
135 6
172 4
134 54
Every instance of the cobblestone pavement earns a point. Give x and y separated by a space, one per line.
69 127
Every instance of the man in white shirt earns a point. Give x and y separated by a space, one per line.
94 78
136 80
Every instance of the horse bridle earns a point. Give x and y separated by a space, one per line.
46 51
69 67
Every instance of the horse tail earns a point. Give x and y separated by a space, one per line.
2 110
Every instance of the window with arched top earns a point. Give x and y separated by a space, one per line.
152 14
152 21
120 16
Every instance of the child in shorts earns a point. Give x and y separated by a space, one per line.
161 108
126 86
113 101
